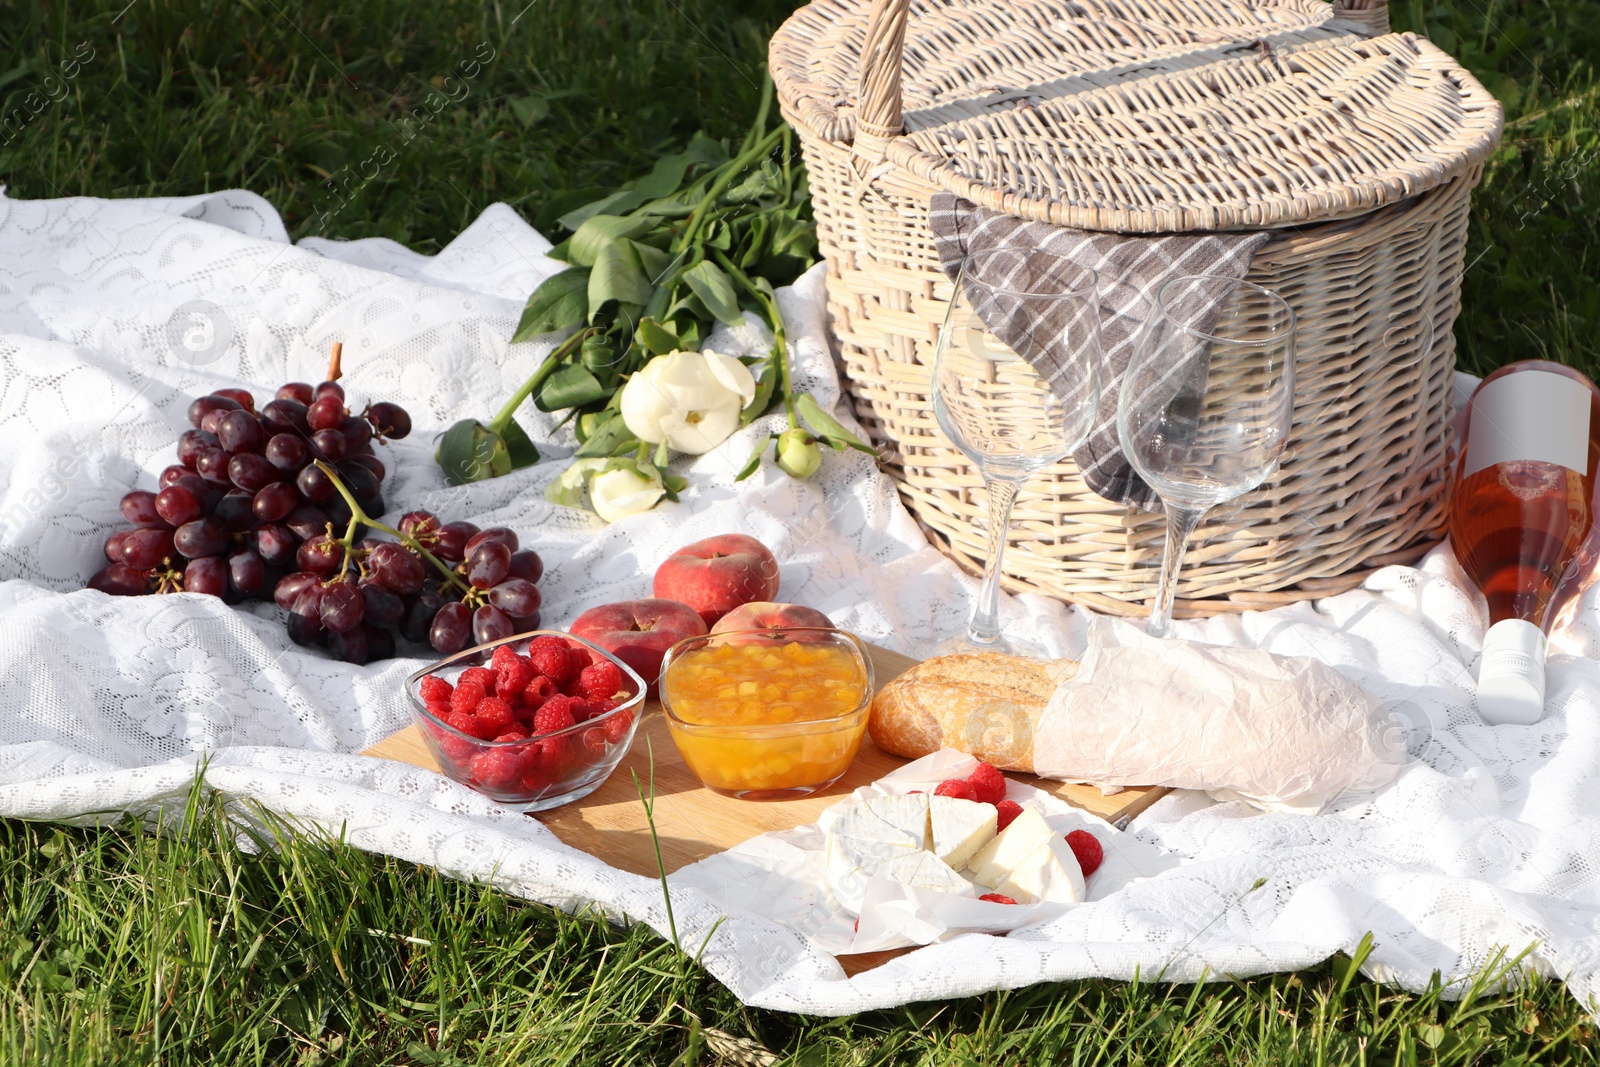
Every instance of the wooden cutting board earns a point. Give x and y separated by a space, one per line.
693 823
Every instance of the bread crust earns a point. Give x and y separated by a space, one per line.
984 703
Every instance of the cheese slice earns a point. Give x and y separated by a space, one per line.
924 870
870 834
996 860
1049 872
960 828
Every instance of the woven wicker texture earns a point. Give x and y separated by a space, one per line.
1359 152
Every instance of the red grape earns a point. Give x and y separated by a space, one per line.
170 475
275 502
306 630
300 391
290 586
284 416
200 407
517 597
213 421
328 445
203 537
307 522
330 389
191 443
139 508
251 471
288 452
352 647
241 397
145 548
236 510
275 543
320 555
326 413
527 564
422 525
119 579
315 486
489 623
451 545
383 607
114 546
380 643
240 431
213 466
360 481
178 504
395 568
419 616
373 464
389 420
342 607
207 574
452 628
356 430
489 565
494 534
247 573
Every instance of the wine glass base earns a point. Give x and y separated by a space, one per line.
966 646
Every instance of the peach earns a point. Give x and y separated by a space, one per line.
766 615
639 632
718 574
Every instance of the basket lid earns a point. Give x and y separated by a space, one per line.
1137 116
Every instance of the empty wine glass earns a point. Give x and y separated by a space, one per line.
1016 380
1204 417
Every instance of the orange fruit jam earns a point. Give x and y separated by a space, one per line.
739 697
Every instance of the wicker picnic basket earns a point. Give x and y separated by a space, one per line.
1358 149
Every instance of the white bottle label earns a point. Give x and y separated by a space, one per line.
1531 415
1511 674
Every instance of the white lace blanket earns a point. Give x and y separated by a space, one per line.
1489 839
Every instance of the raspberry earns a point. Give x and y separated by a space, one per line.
438 708
511 680
467 696
617 725
535 776
1087 848
959 788
557 756
582 658
552 658
500 768
434 688
495 712
997 898
455 749
481 675
600 680
572 687
555 714
594 742
1005 812
470 725
503 656
512 734
988 786
538 691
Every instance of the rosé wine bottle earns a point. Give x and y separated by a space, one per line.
1522 520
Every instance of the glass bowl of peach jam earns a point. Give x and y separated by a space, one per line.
768 714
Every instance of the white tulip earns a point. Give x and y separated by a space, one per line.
691 400
616 494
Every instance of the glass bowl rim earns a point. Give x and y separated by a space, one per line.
759 729
420 709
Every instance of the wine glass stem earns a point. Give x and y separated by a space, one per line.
1181 522
984 629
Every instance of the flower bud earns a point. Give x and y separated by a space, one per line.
616 494
799 455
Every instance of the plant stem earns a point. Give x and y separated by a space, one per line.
539 377
730 170
760 126
780 339
359 516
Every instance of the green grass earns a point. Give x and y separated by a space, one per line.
117 945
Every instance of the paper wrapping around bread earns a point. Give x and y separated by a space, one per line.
1283 732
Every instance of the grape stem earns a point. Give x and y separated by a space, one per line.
334 372
360 517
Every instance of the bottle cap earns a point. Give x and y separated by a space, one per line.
1511 674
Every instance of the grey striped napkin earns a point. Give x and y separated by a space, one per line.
1131 269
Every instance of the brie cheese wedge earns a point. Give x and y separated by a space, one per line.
960 828
924 870
869 835
1049 872
999 857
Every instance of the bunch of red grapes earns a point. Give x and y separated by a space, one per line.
253 510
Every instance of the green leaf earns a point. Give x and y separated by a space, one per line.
655 337
530 108
599 353
753 464
656 263
761 403
662 456
714 288
601 231
664 179
520 448
571 386
561 301
567 490
608 436
618 275
827 427
471 452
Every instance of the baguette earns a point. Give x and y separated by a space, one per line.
984 703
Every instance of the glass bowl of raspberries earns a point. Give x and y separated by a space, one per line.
533 721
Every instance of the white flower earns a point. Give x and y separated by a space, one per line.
692 400
616 494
